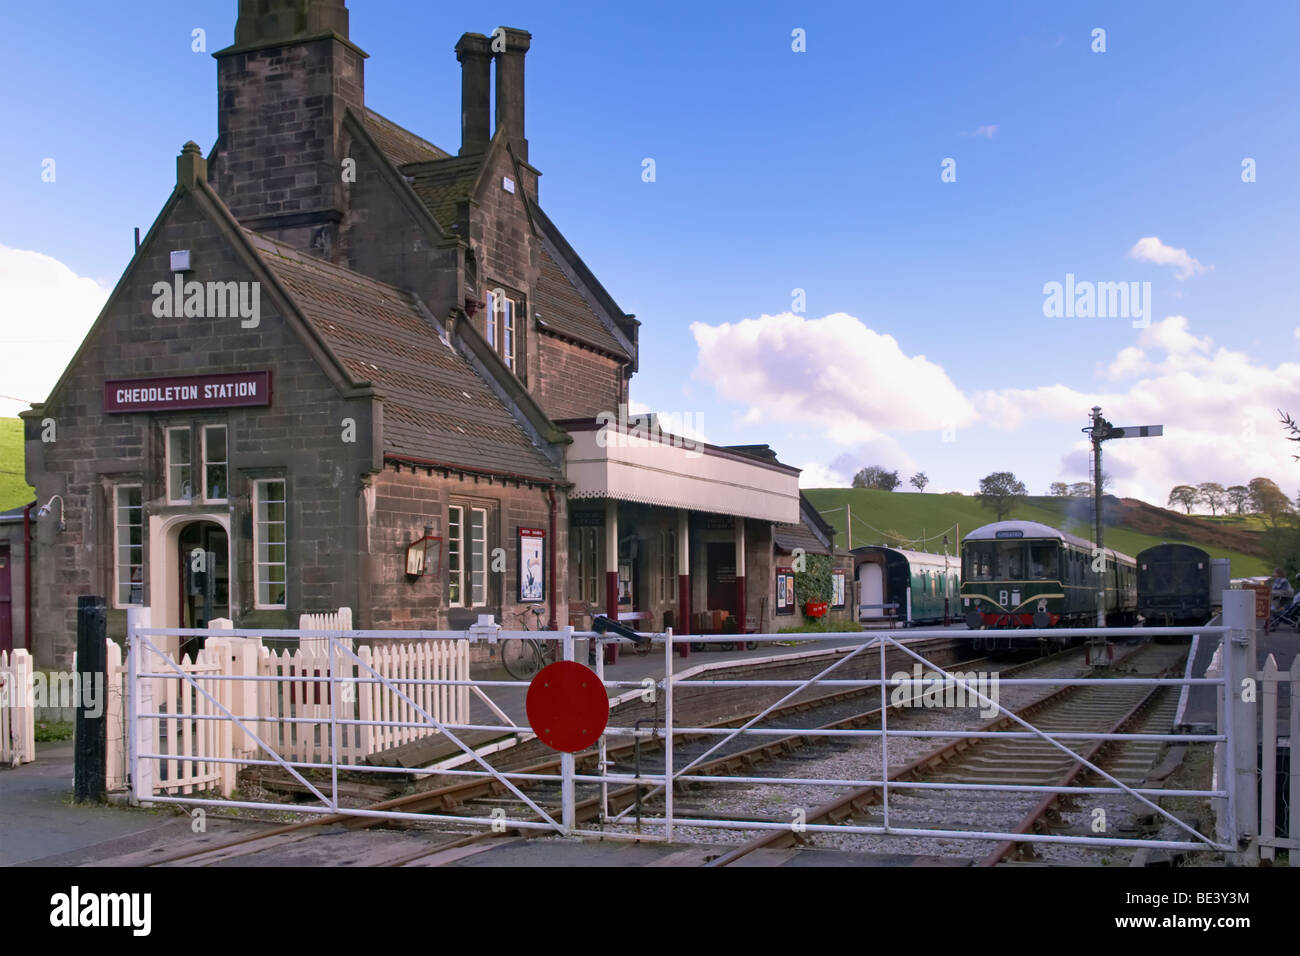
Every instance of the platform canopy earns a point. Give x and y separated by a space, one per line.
671 472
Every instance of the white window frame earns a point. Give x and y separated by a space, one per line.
478 549
469 583
173 498
117 547
456 541
502 329
258 563
226 463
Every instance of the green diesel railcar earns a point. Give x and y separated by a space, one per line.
1026 574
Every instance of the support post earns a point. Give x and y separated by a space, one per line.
1239 719
668 735
740 581
139 700
611 559
567 807
89 779
684 577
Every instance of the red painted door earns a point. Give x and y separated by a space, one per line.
6 602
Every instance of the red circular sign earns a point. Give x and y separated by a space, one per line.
567 706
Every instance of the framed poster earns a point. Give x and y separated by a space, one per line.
532 565
837 589
784 590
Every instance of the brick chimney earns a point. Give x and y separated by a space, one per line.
283 89
474 51
509 46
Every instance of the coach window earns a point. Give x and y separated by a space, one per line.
180 466
216 463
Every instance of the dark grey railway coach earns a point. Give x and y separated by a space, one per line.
1175 584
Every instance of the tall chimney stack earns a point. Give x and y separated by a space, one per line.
474 51
509 45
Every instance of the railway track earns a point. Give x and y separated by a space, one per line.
990 760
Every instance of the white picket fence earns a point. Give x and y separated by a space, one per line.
17 708
1270 677
291 715
1270 682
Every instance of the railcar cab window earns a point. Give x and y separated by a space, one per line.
1011 561
1043 562
979 562
502 326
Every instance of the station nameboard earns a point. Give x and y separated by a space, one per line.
226 390
1010 534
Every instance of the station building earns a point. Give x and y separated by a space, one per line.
346 367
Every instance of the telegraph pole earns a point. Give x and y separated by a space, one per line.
1099 431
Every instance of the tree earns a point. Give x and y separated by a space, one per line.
1238 495
1001 491
919 481
1212 494
1184 495
1081 489
1059 489
1267 499
874 476
1292 428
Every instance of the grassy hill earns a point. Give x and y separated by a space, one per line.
1131 525
14 489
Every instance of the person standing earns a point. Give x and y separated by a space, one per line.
1281 591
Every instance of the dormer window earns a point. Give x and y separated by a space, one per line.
502 326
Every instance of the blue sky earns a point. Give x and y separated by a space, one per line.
779 170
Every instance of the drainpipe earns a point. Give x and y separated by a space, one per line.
27 577
550 563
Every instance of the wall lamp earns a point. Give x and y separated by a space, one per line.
45 510
423 555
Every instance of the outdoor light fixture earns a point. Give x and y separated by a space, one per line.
422 555
45 510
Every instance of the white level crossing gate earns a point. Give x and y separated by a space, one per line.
348 665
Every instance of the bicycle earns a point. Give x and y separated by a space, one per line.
523 658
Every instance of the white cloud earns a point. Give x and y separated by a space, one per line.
49 309
1218 406
787 368
1151 249
816 475
986 131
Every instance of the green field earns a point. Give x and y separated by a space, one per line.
14 490
878 515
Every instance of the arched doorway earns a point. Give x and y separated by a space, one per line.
203 579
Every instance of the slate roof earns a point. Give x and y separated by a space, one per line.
436 406
811 533
400 145
787 537
565 311
443 184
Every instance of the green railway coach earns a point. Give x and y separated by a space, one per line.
912 587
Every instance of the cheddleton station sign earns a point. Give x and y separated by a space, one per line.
231 390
